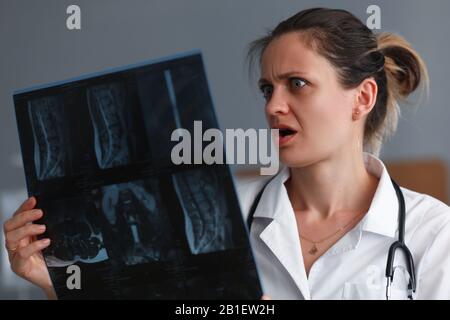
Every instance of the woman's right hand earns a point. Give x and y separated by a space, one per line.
24 250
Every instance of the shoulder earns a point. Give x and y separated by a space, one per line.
248 189
426 213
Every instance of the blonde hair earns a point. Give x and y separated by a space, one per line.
405 72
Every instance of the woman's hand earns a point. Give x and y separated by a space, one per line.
24 250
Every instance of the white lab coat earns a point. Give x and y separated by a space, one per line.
354 267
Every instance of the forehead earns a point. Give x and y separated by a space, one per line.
289 53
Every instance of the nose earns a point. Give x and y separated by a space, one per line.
277 104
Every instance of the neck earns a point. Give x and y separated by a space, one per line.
332 186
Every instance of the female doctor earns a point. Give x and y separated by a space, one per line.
322 227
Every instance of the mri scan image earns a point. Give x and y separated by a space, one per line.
208 228
47 122
97 155
158 104
107 108
134 213
74 233
193 100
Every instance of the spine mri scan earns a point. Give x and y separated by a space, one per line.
46 115
106 106
206 221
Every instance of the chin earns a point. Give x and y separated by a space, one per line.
296 158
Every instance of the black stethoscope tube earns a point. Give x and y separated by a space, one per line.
400 244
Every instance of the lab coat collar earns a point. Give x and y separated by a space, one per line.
382 217
279 235
274 192
383 212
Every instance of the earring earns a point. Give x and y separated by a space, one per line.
355 115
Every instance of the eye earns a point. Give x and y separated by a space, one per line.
297 83
266 90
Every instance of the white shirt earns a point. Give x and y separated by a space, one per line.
354 267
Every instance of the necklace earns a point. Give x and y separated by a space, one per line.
314 248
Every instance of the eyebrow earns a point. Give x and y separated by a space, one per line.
283 76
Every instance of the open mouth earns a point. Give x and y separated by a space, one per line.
286 132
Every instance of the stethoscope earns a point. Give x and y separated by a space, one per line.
397 245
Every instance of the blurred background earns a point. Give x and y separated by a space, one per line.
36 48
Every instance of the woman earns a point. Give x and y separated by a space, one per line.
322 227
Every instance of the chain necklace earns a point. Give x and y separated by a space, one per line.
314 248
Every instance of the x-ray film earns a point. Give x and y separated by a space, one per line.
97 156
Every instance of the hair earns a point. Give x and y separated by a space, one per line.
357 54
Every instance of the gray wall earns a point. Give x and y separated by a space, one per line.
37 48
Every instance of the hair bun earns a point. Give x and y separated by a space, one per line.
404 67
378 59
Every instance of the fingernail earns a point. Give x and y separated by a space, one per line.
41 227
30 200
37 212
46 241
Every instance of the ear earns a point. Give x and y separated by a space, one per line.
366 97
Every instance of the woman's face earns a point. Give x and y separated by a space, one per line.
305 101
